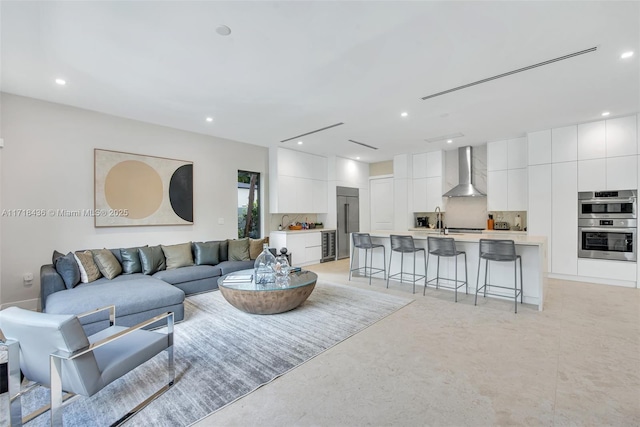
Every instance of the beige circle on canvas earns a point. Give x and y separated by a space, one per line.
134 186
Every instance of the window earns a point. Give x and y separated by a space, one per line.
248 196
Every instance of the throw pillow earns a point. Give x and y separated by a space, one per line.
224 250
55 256
178 255
206 253
239 250
67 268
256 246
152 259
88 268
130 260
107 263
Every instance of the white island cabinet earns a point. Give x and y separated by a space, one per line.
305 246
532 249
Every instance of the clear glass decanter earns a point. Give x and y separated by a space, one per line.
282 270
264 267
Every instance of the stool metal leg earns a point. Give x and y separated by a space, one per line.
353 251
426 269
466 275
389 272
486 271
477 281
521 282
515 283
456 281
385 273
414 272
370 266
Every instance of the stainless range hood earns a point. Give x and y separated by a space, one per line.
465 186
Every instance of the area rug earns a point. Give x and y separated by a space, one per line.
222 354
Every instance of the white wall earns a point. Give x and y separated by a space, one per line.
47 163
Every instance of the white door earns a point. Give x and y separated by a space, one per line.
381 203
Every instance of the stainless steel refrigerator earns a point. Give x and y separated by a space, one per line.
348 218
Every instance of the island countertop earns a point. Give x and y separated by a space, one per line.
519 239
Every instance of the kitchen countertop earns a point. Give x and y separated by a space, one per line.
519 239
311 230
433 230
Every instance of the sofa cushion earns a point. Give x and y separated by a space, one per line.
130 260
256 246
152 259
239 250
128 296
224 250
231 266
88 269
67 268
188 274
107 263
206 253
178 255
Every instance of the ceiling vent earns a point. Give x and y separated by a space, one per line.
363 144
312 132
508 73
444 137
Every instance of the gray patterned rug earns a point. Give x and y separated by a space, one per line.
223 354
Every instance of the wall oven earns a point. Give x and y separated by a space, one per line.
607 204
607 225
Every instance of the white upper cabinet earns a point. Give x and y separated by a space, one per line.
517 153
435 160
497 190
591 141
564 144
622 173
621 136
539 147
420 165
420 195
497 155
592 175
517 190
434 194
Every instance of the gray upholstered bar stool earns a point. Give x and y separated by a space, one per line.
404 245
499 251
363 241
446 247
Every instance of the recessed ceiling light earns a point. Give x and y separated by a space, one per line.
449 141
357 158
404 114
299 142
626 55
605 113
61 82
223 30
209 119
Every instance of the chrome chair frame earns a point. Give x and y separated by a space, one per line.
367 246
409 249
453 252
505 258
60 400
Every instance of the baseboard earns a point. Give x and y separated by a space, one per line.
28 304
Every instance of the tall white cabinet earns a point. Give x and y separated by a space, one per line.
507 175
297 182
427 181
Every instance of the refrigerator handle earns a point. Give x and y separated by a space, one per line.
346 218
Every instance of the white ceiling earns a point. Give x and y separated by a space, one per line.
292 67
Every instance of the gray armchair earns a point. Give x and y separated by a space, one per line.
55 352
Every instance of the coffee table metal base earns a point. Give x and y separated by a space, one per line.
270 302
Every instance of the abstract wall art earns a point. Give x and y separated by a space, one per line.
132 189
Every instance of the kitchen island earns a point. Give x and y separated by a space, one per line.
532 249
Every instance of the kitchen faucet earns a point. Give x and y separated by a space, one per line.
439 219
282 221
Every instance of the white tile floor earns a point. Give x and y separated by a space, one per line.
439 363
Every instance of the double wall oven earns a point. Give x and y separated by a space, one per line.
607 225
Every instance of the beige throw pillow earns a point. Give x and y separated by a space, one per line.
178 255
107 263
88 269
256 246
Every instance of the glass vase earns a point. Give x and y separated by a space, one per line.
264 267
282 271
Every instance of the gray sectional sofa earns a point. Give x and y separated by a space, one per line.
138 296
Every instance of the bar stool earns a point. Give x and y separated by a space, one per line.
446 247
405 244
363 241
499 251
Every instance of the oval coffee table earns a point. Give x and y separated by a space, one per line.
268 298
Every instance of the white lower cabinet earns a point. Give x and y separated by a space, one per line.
564 218
305 247
607 269
517 199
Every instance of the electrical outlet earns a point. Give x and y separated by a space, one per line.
27 279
